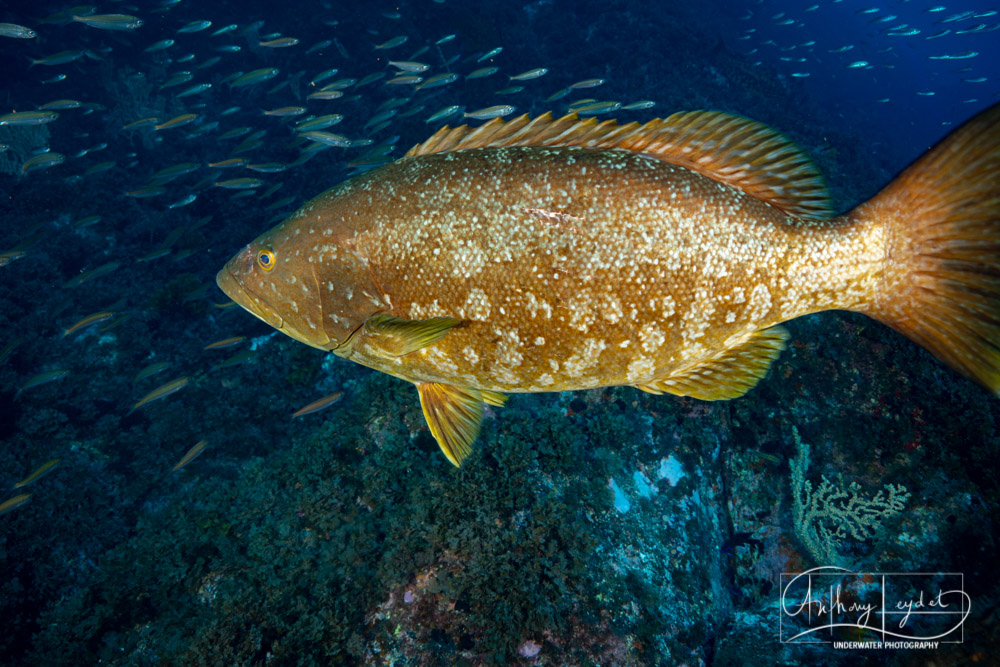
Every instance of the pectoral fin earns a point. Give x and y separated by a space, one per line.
729 374
454 415
395 336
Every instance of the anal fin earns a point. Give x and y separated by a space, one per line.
454 415
729 374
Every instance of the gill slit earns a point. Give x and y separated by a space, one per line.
371 274
319 299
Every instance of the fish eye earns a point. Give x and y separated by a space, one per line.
265 259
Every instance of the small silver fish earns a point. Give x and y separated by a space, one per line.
641 104
43 161
255 76
371 78
408 79
482 72
438 80
60 104
28 118
319 123
323 76
409 65
327 138
177 79
395 41
280 43
587 83
325 95
240 183
596 108
110 21
285 112
191 455
195 26
319 46
161 45
16 31
530 74
958 56
446 112
183 202
491 112
194 90
489 54
60 58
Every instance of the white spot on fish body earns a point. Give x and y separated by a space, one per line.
669 307
760 302
440 360
477 305
470 355
545 380
534 305
640 370
652 338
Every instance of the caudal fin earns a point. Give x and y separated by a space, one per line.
942 273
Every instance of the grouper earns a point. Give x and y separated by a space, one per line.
543 254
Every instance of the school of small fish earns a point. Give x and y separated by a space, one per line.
251 107
254 127
776 39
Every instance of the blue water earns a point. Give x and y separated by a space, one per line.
602 527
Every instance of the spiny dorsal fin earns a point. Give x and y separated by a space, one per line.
729 374
454 415
739 152
395 336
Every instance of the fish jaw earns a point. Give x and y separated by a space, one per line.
235 290
229 281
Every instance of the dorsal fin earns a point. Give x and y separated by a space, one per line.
733 150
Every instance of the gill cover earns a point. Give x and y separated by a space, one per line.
310 286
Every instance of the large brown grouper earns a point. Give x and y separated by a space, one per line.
556 254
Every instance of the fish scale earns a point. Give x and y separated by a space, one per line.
575 268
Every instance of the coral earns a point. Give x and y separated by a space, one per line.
20 141
181 293
825 516
134 97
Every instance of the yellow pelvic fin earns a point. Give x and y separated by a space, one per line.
733 150
454 415
395 336
730 373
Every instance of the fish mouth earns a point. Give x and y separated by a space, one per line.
247 299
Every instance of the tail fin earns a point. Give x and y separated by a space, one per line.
942 274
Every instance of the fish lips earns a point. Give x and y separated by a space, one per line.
245 297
